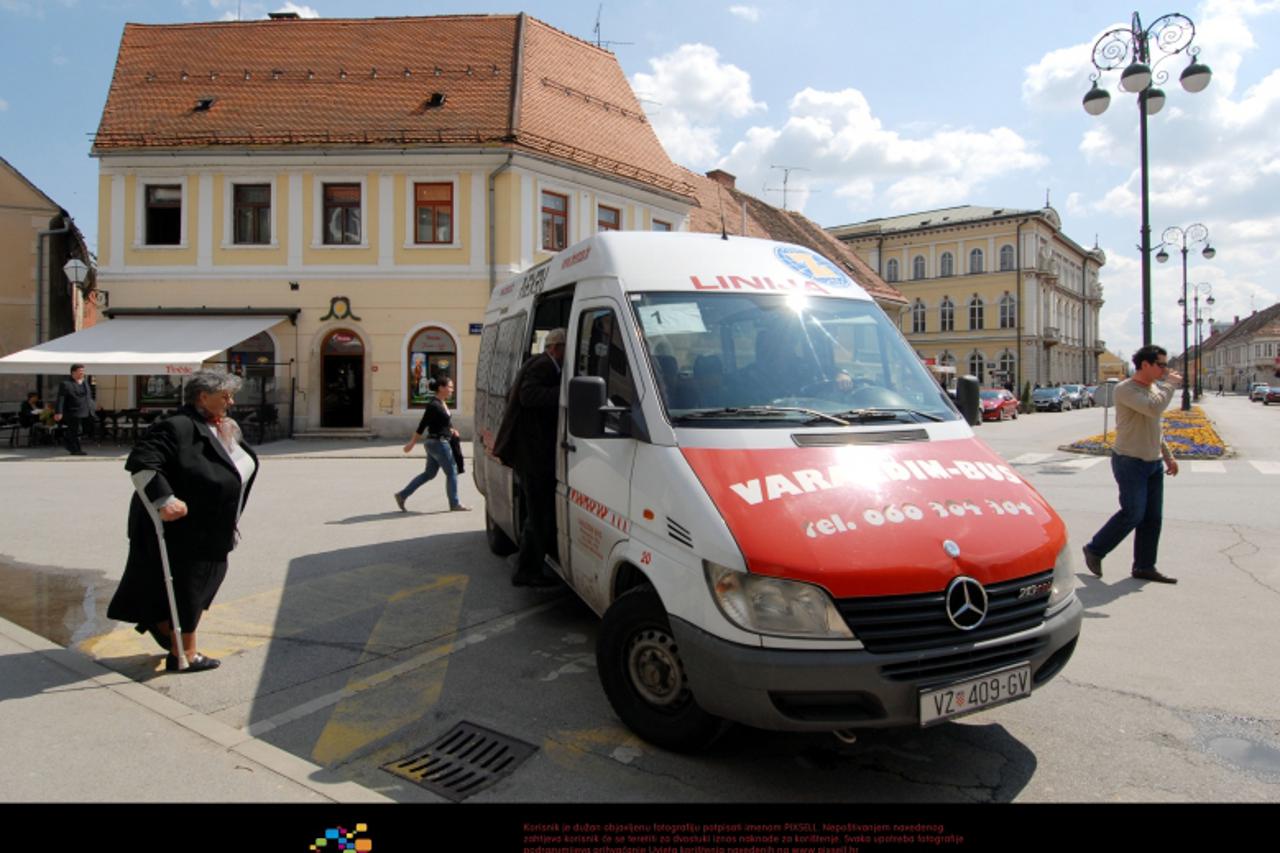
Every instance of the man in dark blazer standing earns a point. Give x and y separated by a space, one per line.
535 407
74 409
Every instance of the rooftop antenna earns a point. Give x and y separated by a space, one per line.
596 29
786 177
724 229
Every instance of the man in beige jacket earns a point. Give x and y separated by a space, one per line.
1136 464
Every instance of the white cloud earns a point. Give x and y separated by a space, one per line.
838 139
1059 79
4 105
237 10
746 13
689 92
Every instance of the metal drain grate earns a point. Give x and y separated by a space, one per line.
466 759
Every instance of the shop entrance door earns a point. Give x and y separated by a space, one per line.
342 376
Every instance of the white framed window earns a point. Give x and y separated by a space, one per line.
1008 312
161 215
977 362
891 270
659 225
431 212
918 317
340 206
249 204
947 266
1007 259
976 311
947 315
975 262
917 267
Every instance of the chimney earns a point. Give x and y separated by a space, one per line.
722 178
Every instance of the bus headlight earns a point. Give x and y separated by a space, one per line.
1064 577
780 608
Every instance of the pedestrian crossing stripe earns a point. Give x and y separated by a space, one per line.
1030 458
1208 468
1267 467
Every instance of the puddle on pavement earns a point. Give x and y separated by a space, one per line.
61 605
1246 754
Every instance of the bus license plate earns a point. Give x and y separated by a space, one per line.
965 697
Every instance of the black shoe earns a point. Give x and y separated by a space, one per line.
1153 575
1093 562
195 663
530 579
79 453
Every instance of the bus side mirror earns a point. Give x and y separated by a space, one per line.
587 399
967 399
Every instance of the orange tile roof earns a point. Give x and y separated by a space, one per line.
768 222
349 83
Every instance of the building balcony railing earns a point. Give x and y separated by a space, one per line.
1051 336
1099 346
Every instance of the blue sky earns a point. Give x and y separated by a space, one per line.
883 108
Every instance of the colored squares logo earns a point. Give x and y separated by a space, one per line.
339 840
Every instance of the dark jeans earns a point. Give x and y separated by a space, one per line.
71 429
1141 510
538 536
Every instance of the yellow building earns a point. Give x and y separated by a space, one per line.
998 293
37 237
359 185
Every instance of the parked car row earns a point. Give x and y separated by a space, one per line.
1272 395
1258 392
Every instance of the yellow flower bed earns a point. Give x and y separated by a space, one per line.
1190 435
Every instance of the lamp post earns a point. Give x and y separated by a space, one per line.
1188 237
1133 47
1196 290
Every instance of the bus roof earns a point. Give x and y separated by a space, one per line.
680 261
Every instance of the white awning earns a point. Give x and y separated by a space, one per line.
140 346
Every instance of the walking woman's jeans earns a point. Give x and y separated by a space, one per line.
1141 510
439 458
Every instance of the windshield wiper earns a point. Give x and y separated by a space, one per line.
761 411
884 413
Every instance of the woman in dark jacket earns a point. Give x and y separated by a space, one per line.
437 427
203 471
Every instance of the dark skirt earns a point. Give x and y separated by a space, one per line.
141 596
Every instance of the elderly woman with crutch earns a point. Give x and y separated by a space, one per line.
192 473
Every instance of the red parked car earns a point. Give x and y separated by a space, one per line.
1272 395
998 404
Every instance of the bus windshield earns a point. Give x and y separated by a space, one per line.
771 358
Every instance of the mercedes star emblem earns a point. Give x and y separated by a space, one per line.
966 603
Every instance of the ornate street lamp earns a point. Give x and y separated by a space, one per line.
1196 290
1133 48
1188 237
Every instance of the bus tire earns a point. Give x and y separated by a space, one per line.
644 678
499 542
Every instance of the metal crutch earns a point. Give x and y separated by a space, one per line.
140 481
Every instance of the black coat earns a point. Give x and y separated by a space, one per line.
529 423
190 463
75 399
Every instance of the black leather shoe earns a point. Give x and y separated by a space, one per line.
1093 563
195 663
1153 575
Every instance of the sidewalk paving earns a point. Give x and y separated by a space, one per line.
73 731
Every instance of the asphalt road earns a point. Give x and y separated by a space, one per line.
354 635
